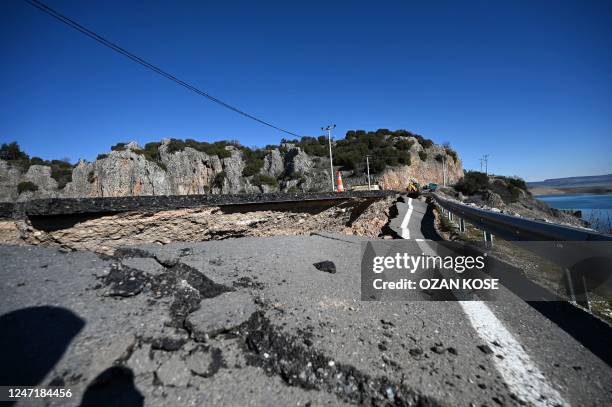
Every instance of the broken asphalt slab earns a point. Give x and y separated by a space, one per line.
285 333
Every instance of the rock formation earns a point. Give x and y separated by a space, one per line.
131 170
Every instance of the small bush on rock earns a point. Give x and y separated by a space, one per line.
26 186
472 182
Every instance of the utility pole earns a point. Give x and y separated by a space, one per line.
368 167
444 169
481 161
331 161
486 163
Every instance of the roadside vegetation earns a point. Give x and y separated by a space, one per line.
26 186
508 188
386 147
61 170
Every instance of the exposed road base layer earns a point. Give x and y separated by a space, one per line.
44 207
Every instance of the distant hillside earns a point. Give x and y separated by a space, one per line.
586 184
573 182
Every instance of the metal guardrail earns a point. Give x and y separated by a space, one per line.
514 228
585 255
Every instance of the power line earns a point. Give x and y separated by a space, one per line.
43 7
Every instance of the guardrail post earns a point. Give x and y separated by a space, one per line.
461 225
576 289
488 239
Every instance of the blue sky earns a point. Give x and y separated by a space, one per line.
528 82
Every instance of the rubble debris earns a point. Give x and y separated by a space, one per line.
438 348
326 266
220 314
205 361
125 281
486 349
118 350
284 355
170 340
415 352
174 372
247 282
141 361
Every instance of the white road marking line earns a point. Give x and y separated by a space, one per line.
520 373
522 376
404 225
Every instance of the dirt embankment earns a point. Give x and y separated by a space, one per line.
102 234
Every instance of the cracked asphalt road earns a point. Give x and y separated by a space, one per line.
251 321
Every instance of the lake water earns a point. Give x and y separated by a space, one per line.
596 208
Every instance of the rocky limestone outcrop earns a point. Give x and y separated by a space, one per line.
122 173
130 171
273 163
424 171
188 171
9 178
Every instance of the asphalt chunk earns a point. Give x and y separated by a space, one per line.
220 314
438 348
416 352
125 281
326 266
205 361
486 349
248 282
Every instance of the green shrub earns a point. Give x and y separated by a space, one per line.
515 193
150 151
404 158
378 166
472 182
26 186
12 151
219 179
516 182
452 153
260 179
424 142
175 145
423 155
314 146
253 160
439 158
217 148
62 175
403 144
101 156
119 147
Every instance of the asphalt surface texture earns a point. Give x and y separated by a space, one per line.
271 321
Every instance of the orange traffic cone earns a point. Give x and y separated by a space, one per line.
340 187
